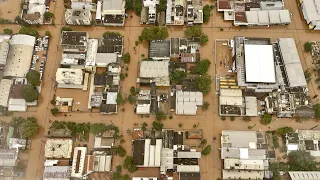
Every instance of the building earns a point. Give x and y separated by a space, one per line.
186 50
143 102
149 11
69 78
5 88
19 57
8 157
4 50
187 102
159 50
78 161
105 140
78 17
304 175
175 12
58 148
73 61
145 178
311 13
113 12
154 71
147 153
244 155
102 162
304 140
74 41
111 43
33 14
258 13
194 12
16 99
57 173
64 104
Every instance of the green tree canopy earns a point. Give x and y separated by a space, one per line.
138 7
203 39
284 130
157 125
301 161
162 7
308 46
47 33
48 15
144 126
266 119
120 151
203 84
119 99
7 31
30 93
29 31
193 31
129 5
177 76
66 29
54 111
206 151
154 33
316 108
29 127
126 58
128 164
205 105
307 75
97 128
33 77
160 115
202 67
206 13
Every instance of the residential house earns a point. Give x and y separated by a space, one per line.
78 17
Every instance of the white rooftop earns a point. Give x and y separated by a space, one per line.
304 175
187 102
154 69
78 160
5 86
69 76
259 63
58 148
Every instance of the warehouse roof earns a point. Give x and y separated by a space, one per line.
112 4
259 63
58 148
311 11
154 69
102 163
187 102
304 175
5 86
104 59
292 62
251 106
239 139
159 49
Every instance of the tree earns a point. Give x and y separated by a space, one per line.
126 58
112 34
204 39
160 115
29 127
193 31
205 105
308 46
7 31
275 168
138 7
119 99
180 125
132 91
154 33
29 31
120 151
203 84
206 151
301 161
97 128
47 33
316 108
203 142
284 130
33 77
223 118
177 76
48 15
129 5
131 99
30 93
66 29
157 125
54 111
128 164
162 7
206 13
16 121
266 119
144 126
202 67
307 75
232 118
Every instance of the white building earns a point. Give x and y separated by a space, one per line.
311 13
78 17
304 140
113 12
35 12
187 102
78 161
5 87
151 10
57 173
69 78
155 71
304 175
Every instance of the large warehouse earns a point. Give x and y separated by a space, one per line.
259 63
19 56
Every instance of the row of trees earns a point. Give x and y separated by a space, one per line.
196 31
30 92
154 33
